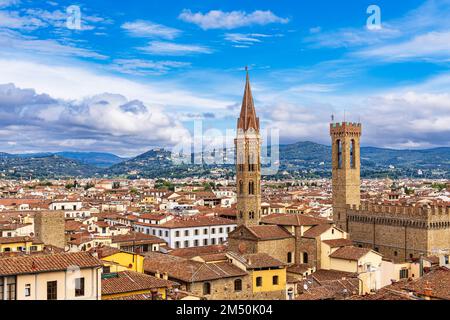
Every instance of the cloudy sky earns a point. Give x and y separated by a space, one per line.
137 74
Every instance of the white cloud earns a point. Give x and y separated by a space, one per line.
428 46
217 19
149 29
174 49
146 67
107 122
245 39
14 41
72 81
8 3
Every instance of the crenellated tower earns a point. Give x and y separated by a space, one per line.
346 168
248 162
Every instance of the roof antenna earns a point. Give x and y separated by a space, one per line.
332 117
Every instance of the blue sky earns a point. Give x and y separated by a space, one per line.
138 73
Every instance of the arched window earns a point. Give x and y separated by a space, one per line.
339 153
352 154
241 187
206 288
305 257
251 215
238 285
251 187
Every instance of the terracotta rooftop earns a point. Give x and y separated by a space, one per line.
269 232
317 230
350 253
189 270
128 281
46 263
335 243
198 251
291 219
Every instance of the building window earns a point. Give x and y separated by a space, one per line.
186 244
251 215
289 257
27 290
177 244
395 253
205 231
259 281
2 286
196 243
166 233
205 242
238 285
206 288
154 232
186 233
403 273
213 241
352 154
251 187
79 287
220 230
52 290
196 232
305 257
411 256
339 153
275 280
177 234
241 187
213 231
11 288
228 229
160 233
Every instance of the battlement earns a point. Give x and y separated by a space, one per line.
340 128
418 211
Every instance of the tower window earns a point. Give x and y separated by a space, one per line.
352 154
241 187
305 257
251 215
339 153
251 187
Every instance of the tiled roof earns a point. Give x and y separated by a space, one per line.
136 238
197 251
6 240
435 284
257 260
350 253
317 230
129 281
338 242
291 219
269 232
46 263
189 270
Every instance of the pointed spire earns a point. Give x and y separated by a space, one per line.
248 118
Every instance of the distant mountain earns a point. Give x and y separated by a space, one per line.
97 159
46 167
297 160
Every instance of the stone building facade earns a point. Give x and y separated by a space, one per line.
398 232
49 227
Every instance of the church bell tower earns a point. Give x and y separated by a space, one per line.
248 162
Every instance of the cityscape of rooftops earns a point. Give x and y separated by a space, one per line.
236 151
